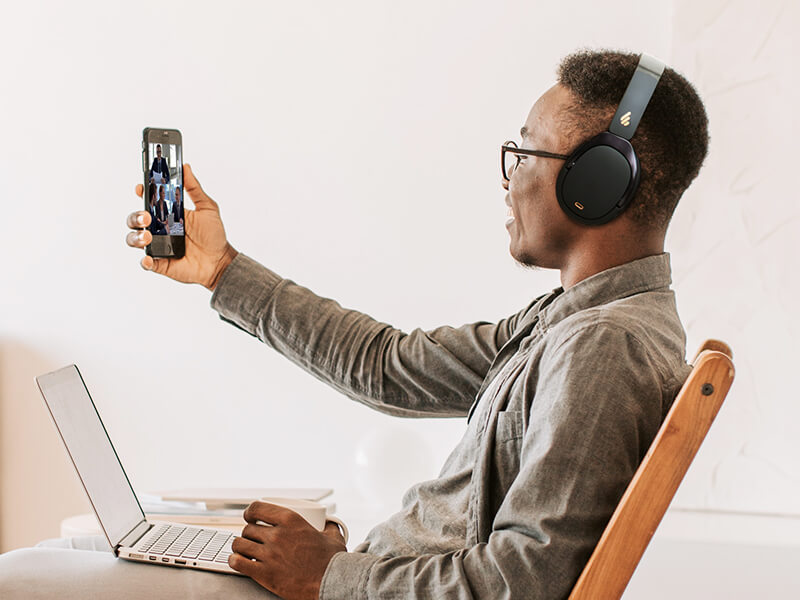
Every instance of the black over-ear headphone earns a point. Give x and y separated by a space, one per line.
599 179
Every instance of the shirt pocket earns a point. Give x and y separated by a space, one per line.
508 439
509 426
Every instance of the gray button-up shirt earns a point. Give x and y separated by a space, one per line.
562 401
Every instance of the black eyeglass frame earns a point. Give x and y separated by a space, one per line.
511 146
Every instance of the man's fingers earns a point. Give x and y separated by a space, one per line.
196 193
139 219
271 514
333 530
257 533
243 565
139 239
139 190
248 548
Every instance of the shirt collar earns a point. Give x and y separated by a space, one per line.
641 275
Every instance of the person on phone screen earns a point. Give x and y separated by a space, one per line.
160 214
559 401
177 207
152 195
159 171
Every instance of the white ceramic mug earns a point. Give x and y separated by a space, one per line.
315 513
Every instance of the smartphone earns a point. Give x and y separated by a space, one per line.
162 165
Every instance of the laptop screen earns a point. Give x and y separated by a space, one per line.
91 451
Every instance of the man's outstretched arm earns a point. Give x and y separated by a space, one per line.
421 373
435 373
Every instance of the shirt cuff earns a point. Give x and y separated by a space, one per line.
242 292
346 576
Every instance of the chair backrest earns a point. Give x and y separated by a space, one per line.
655 482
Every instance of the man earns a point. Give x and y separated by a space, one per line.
152 202
159 171
159 215
177 208
561 399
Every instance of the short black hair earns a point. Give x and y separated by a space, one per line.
672 138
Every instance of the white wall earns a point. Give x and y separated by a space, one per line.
735 243
353 147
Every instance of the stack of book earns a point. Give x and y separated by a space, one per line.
220 507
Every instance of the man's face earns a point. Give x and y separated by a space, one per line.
540 232
158 151
177 194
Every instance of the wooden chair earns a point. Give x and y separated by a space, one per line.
656 480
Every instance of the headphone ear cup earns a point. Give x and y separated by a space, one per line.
598 180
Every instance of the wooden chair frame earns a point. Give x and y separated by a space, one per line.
655 482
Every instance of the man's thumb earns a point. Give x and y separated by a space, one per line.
196 193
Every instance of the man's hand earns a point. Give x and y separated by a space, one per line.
287 556
208 252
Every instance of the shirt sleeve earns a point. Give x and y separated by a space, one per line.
597 407
422 373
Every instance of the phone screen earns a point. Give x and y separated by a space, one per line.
164 188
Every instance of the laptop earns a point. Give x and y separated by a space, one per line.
110 492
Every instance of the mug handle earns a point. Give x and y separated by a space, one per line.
341 524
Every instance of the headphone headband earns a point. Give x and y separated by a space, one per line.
636 97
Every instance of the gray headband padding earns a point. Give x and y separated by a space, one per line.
636 97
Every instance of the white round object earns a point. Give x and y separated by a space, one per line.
80 525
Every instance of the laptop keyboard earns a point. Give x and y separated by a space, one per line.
188 542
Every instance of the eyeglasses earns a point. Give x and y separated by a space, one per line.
511 155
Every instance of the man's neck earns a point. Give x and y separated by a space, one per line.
605 254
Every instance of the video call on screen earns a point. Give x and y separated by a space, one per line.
164 188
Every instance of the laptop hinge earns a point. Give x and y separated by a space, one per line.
133 537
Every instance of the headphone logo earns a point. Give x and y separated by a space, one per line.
625 119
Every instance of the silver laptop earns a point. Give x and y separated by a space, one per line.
111 494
